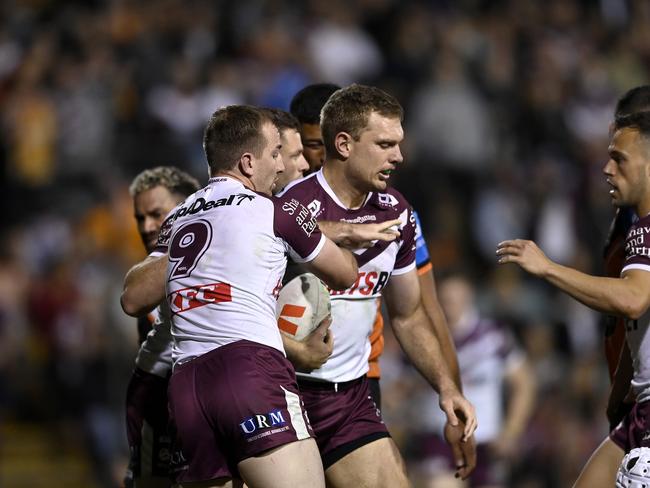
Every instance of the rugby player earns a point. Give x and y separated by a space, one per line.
306 106
628 174
155 193
361 129
233 396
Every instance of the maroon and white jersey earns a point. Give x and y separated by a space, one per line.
354 310
155 354
227 249
637 256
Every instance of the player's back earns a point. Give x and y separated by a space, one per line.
225 263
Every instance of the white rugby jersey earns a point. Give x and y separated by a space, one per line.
155 353
486 351
637 256
227 248
354 310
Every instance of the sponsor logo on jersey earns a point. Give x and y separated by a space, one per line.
387 199
315 208
361 219
202 205
263 425
368 283
197 296
302 214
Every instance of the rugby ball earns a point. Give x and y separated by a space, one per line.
302 304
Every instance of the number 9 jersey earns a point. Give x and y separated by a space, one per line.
227 249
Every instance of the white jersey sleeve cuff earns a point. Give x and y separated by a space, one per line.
406 269
312 255
643 267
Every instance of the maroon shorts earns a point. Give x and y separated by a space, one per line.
343 415
634 429
229 404
434 456
146 426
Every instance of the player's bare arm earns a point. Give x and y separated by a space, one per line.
418 340
628 296
439 322
337 267
313 351
144 286
355 236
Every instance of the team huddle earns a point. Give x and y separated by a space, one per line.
220 397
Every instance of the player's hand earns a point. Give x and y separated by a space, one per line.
358 236
365 235
525 253
464 452
458 410
317 347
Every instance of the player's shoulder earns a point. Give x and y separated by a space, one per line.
302 186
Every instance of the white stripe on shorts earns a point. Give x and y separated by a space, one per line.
295 411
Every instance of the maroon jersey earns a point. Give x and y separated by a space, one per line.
354 309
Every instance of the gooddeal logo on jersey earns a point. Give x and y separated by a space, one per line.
197 296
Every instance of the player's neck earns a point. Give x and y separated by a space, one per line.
347 193
236 176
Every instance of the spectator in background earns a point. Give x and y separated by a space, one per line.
496 378
155 193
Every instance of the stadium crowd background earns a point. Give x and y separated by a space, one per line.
507 109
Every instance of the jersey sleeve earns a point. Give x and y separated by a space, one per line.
294 223
637 247
422 258
405 260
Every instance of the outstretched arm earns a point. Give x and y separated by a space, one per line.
144 286
335 266
355 236
628 296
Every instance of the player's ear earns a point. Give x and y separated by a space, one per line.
246 164
342 143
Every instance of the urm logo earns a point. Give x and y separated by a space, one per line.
258 422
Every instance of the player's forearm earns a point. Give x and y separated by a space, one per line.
421 346
608 295
439 323
339 232
144 286
294 351
446 343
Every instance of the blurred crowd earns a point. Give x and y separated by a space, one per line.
507 110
